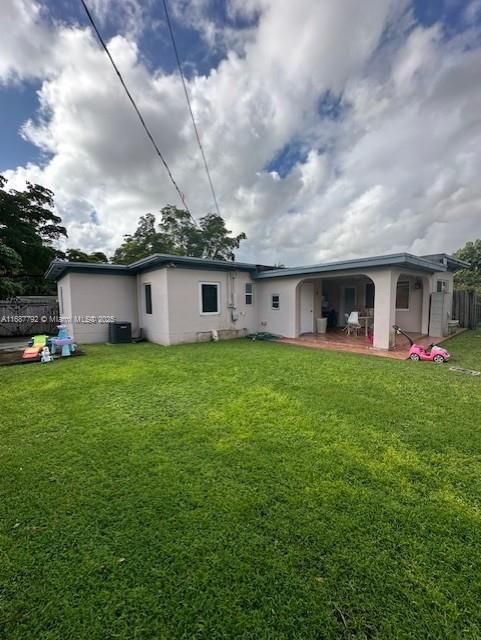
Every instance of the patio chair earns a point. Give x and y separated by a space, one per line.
353 324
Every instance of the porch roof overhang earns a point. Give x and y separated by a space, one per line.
399 260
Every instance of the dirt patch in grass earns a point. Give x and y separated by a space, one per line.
15 357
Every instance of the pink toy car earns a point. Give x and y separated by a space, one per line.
434 352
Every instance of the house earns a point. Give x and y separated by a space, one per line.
176 299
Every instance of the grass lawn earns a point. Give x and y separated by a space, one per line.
240 490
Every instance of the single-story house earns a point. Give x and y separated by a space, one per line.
175 299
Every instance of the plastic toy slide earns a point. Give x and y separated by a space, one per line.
34 352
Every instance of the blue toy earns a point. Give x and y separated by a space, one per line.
63 340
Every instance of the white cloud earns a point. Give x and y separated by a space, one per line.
397 169
25 46
129 15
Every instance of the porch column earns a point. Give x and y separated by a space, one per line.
385 283
425 310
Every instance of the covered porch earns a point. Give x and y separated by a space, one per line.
360 309
414 292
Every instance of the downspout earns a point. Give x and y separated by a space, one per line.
232 298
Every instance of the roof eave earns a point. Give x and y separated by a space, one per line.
161 259
58 268
396 260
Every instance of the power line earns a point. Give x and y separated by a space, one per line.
182 77
137 110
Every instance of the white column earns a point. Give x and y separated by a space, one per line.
426 280
385 283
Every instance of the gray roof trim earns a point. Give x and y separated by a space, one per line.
451 261
431 264
58 268
406 260
163 258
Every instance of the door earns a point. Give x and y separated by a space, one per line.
349 301
307 308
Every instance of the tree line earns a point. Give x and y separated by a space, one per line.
29 229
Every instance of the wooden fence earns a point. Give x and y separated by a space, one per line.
466 308
28 316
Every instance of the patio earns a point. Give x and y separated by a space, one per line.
337 340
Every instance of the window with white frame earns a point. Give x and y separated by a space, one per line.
209 298
276 301
249 293
60 290
442 286
402 294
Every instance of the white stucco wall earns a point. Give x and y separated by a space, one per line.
155 326
65 300
411 319
187 324
98 295
282 321
176 315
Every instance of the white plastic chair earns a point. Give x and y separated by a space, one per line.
353 324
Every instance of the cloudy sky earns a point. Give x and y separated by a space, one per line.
333 128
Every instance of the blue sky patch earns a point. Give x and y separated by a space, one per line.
17 104
287 158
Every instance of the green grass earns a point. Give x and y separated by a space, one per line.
466 350
240 490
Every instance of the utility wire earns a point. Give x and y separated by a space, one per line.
182 77
137 110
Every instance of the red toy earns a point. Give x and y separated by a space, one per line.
417 352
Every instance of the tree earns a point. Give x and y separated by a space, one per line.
178 226
469 278
77 255
28 228
144 242
216 242
179 235
10 265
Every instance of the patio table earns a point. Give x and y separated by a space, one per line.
366 323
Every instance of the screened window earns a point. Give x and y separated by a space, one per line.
148 298
276 302
402 294
370 295
249 293
61 300
209 297
442 286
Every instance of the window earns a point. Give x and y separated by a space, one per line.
209 298
148 298
402 294
369 295
276 303
249 293
442 286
